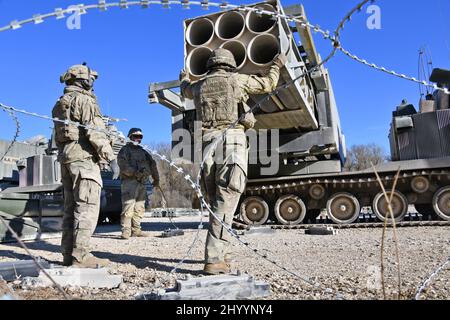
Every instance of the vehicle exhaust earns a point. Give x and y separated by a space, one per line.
259 22
200 32
263 48
230 25
238 50
196 61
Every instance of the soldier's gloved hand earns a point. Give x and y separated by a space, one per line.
156 183
104 166
280 60
115 169
183 75
107 154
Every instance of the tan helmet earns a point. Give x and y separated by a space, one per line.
221 57
79 71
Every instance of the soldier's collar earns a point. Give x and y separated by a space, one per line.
70 89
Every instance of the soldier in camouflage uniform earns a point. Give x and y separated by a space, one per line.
136 165
220 99
81 151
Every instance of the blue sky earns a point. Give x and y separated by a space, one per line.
131 48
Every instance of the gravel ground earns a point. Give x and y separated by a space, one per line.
345 265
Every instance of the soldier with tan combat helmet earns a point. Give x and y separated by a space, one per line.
81 150
136 165
220 99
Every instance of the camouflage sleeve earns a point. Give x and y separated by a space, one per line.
88 112
153 169
253 84
123 160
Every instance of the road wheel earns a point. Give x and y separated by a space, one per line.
343 208
254 211
290 210
441 203
399 206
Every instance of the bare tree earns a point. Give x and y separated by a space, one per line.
359 157
178 191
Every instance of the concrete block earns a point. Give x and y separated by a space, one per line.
172 233
221 287
79 277
14 270
321 231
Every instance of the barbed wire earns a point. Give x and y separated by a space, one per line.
16 134
180 170
102 5
375 66
429 279
392 72
80 9
303 24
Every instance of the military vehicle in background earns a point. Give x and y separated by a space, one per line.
312 148
31 199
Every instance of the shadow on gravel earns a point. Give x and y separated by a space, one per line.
152 226
161 226
147 262
38 245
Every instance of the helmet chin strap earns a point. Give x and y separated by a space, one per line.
88 84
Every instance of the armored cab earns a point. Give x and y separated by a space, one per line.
423 134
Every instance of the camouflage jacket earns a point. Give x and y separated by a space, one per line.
136 163
241 86
75 143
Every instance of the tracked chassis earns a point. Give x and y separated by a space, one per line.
296 200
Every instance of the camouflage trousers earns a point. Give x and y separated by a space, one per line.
133 205
224 179
82 186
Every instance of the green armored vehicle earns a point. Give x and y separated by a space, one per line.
31 195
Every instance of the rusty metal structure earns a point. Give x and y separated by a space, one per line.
312 148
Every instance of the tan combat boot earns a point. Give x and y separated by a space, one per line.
139 234
126 234
216 268
91 262
125 222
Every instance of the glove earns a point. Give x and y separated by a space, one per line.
183 75
106 153
104 166
248 120
115 169
280 60
155 183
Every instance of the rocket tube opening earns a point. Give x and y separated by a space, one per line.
200 32
197 60
230 25
263 49
259 23
238 50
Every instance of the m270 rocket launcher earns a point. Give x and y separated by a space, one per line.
304 114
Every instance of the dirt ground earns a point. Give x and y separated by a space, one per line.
346 265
